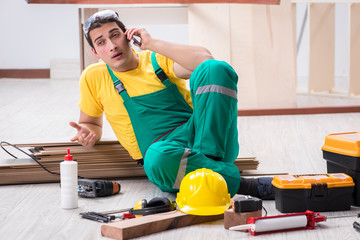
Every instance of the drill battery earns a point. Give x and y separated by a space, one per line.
97 188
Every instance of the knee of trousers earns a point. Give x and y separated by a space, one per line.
161 164
214 72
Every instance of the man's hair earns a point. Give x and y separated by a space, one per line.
98 22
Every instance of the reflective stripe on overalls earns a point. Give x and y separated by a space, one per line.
187 136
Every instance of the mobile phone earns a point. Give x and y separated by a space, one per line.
137 40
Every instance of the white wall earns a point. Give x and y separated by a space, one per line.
33 34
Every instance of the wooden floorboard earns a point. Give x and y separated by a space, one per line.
39 111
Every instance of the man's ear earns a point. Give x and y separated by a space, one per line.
95 53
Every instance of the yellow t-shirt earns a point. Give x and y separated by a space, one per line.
98 94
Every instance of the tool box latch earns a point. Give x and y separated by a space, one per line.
319 191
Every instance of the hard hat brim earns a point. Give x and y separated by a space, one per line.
204 211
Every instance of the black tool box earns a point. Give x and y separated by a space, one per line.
342 153
314 192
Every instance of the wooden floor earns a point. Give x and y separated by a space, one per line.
39 111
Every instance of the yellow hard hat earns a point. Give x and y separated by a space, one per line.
203 192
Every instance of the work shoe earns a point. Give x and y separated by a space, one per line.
265 188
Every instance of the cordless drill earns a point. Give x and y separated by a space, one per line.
97 188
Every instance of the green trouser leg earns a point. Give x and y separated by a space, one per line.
211 130
213 89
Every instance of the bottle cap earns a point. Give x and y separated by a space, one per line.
68 157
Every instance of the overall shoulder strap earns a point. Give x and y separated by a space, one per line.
118 84
158 71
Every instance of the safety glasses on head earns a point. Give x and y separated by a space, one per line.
105 14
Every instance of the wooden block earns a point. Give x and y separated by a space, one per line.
354 51
322 47
146 225
233 219
274 56
263 55
209 26
243 59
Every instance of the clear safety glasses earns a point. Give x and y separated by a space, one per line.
99 15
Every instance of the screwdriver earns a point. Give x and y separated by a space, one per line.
117 211
101 217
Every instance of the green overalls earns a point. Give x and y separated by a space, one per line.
175 139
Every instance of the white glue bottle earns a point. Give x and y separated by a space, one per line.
69 182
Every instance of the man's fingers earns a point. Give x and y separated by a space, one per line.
92 138
75 125
89 140
86 140
84 137
129 33
74 139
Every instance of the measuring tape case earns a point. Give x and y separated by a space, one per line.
342 154
315 192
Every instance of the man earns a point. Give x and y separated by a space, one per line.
168 129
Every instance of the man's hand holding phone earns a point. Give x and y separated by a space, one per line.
140 37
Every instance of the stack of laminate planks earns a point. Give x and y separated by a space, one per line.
106 160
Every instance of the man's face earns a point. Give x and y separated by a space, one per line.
112 46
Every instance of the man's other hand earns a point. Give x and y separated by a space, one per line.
83 136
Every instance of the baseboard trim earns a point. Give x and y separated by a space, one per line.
25 73
298 111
